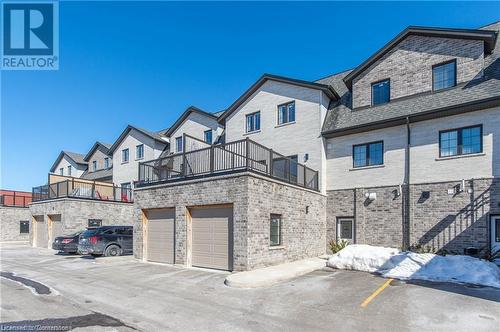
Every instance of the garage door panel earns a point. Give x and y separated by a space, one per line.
211 237
161 236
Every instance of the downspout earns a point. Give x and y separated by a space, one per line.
406 190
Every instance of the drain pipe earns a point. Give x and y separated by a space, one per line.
405 194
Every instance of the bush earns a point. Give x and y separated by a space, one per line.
490 255
336 245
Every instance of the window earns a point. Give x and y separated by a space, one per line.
381 92
461 141
69 170
94 165
275 231
24 227
368 154
139 151
497 230
253 122
61 171
444 75
125 156
344 229
207 135
286 113
106 162
178 144
94 223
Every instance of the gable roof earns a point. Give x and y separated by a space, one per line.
154 135
77 158
476 94
489 38
189 110
327 89
97 145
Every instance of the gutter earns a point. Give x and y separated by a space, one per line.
405 188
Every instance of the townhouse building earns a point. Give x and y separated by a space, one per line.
400 151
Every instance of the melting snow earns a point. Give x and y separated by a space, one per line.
392 263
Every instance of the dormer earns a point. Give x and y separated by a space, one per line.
420 60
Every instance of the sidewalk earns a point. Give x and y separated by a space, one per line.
271 275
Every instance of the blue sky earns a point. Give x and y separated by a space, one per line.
144 63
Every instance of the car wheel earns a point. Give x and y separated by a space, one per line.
113 250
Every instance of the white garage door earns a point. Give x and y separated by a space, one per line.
161 235
55 226
212 237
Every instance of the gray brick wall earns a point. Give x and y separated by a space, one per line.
452 222
9 223
409 66
76 212
253 198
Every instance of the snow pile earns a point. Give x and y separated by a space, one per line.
392 263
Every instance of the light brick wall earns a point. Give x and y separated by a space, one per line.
253 199
76 170
9 223
195 125
75 213
98 156
409 66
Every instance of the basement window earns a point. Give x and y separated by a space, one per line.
275 230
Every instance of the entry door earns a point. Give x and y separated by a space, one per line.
495 233
55 227
41 232
161 235
345 229
212 237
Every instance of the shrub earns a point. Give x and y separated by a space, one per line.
337 245
490 255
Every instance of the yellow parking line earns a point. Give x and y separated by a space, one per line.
377 292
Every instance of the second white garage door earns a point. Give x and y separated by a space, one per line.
212 237
161 235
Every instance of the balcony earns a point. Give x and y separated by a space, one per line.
67 187
232 157
14 198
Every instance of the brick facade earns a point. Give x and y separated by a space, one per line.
9 223
438 220
75 213
253 199
409 66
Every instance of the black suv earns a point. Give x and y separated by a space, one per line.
107 241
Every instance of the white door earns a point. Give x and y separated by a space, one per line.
495 233
345 229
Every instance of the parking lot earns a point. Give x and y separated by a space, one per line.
126 295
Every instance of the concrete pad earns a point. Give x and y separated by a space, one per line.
272 275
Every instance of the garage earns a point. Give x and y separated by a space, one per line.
54 227
212 237
40 232
160 235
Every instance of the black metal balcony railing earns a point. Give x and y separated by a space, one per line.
242 155
82 189
14 200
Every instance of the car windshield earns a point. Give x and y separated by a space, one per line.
89 232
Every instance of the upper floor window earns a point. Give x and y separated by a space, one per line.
61 171
106 162
461 141
286 113
69 170
253 122
369 154
444 75
178 144
125 156
139 151
94 165
207 136
381 92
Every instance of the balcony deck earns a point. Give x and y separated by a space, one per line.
83 189
232 157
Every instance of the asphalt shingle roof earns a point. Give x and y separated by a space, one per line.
341 116
98 175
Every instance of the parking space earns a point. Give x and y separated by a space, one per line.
124 294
